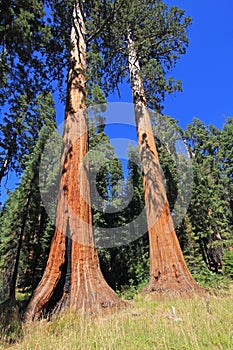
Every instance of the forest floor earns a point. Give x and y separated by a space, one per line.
172 324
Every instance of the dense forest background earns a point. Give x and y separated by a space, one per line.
33 66
205 232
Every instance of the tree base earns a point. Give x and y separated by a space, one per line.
173 287
91 297
86 306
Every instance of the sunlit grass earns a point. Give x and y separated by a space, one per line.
146 323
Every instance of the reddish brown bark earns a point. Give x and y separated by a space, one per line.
72 277
168 270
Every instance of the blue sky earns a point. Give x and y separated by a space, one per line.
207 68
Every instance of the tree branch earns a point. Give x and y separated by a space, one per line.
97 31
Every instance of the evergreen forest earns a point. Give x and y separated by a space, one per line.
75 54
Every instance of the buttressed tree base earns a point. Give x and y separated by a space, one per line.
72 277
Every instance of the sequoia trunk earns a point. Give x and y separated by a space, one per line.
72 277
168 270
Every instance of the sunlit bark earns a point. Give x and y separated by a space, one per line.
72 277
168 270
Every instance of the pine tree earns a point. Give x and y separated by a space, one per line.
226 157
24 219
209 212
137 253
23 37
108 199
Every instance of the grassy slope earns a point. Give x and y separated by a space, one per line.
145 324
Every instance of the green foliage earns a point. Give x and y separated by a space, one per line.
34 58
24 222
206 278
10 323
20 130
23 37
210 213
131 262
138 269
127 264
159 35
228 263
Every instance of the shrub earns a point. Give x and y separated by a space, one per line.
10 324
228 263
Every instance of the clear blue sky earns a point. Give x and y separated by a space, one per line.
207 68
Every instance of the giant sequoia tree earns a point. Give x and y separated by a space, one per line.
168 270
149 38
72 276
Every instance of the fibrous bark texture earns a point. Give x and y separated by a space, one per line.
168 270
72 277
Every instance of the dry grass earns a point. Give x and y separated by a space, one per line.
145 324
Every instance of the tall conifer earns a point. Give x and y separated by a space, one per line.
149 38
72 277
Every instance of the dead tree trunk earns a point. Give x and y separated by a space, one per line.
72 277
168 270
